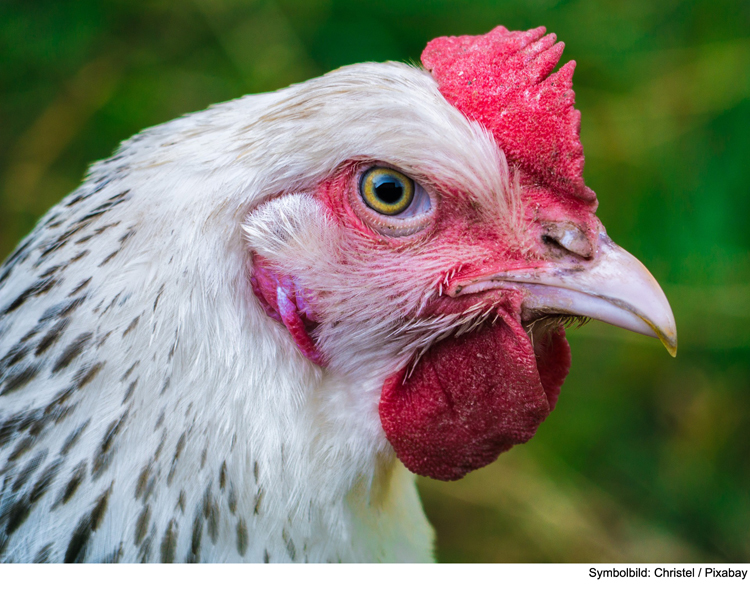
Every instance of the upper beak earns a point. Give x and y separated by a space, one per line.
613 287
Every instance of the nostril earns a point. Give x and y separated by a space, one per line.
548 240
569 237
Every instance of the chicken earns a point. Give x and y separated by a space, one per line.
246 331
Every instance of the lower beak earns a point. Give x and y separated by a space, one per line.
613 287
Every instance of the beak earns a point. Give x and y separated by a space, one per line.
613 287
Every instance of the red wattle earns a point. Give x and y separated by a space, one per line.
470 398
553 363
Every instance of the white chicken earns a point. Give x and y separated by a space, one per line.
244 333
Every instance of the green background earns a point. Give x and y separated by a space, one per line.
646 458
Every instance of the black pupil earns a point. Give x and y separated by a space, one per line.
389 190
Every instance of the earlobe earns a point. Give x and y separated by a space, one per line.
285 301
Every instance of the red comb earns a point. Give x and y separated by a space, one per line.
502 80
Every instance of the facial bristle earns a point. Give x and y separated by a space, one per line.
503 80
551 322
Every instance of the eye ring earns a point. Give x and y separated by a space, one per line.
386 191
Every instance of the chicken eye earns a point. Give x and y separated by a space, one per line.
386 191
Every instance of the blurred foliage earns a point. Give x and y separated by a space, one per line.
645 457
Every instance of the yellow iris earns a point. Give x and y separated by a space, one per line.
386 191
